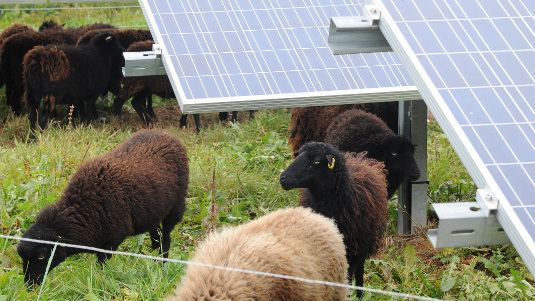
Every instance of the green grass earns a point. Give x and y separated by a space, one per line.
247 159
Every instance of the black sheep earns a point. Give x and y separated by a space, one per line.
14 48
349 188
141 88
69 74
310 123
130 190
359 131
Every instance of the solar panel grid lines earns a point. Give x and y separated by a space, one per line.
474 64
223 50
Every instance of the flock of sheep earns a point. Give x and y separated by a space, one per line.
74 66
348 162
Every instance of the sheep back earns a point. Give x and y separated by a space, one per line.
294 242
311 123
126 37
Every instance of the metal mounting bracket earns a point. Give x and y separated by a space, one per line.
487 203
144 63
464 225
357 34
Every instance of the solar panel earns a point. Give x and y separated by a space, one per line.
253 54
474 64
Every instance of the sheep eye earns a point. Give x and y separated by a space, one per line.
394 154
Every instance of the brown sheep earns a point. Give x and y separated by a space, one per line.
349 188
14 48
294 242
130 190
68 74
310 123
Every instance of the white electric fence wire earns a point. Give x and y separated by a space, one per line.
67 8
401 295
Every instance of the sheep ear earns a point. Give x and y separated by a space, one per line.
330 161
108 38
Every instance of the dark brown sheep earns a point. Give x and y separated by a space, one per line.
359 131
14 48
310 123
141 88
130 190
69 74
19 28
349 188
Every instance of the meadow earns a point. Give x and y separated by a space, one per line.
234 170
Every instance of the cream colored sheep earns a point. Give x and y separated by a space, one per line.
294 242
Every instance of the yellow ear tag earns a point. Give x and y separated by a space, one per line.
331 165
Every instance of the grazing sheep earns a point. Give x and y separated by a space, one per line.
14 48
130 190
359 131
18 28
294 242
310 123
68 74
141 88
348 188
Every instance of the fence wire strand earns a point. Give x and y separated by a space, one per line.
184 262
69 8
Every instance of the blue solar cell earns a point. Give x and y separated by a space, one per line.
520 182
471 73
447 70
516 140
470 106
442 28
496 146
502 182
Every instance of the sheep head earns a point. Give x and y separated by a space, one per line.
397 152
35 256
313 166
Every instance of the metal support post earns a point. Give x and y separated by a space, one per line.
412 196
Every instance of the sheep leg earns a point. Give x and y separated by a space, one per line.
102 257
184 121
137 102
13 98
251 114
168 224
118 103
197 119
90 110
223 116
150 110
155 237
357 270
234 116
